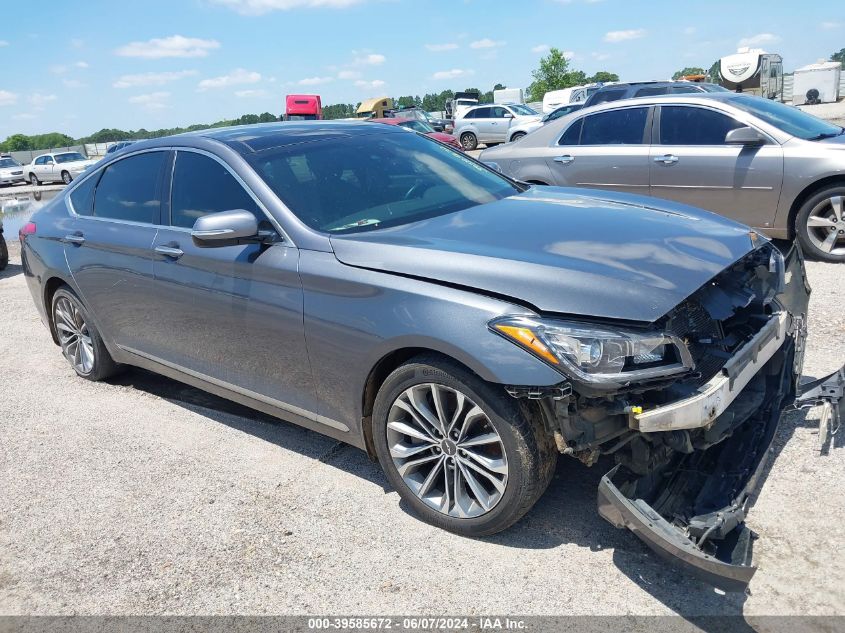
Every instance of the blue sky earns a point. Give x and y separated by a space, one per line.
77 67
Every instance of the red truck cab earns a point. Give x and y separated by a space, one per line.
303 108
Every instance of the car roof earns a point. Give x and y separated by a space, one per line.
246 139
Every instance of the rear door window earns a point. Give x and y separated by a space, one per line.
202 186
130 189
685 125
625 126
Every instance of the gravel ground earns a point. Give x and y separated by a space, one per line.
143 496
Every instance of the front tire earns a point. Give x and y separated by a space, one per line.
469 141
4 253
517 136
79 339
464 455
820 225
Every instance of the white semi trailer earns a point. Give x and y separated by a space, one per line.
753 70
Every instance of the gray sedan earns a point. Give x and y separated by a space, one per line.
463 329
768 165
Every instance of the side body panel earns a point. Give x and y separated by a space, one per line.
354 317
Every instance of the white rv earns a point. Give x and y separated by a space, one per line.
508 95
556 98
753 70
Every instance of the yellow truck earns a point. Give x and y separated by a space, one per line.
374 108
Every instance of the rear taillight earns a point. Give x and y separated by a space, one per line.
26 229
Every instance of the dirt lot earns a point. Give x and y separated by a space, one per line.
143 496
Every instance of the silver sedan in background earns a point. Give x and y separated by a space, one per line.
766 164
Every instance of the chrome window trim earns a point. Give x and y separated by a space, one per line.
286 240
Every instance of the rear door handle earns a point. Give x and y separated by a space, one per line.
169 251
565 159
75 238
666 159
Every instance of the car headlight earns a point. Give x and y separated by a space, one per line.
598 354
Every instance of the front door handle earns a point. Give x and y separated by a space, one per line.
75 238
666 159
565 159
169 251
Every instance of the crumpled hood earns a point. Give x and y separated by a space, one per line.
601 254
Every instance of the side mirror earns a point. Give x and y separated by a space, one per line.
508 115
744 136
225 228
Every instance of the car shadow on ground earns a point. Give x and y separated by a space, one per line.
566 514
11 270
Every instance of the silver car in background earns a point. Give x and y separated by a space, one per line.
763 163
11 171
495 123
58 167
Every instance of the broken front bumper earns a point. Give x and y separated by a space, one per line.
693 512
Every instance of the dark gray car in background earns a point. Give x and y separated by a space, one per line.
462 328
762 163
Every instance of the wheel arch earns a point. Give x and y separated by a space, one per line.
51 285
809 191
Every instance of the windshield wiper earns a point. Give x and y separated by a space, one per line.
825 135
355 225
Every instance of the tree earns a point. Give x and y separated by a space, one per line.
714 74
602 77
248 119
266 117
553 74
17 143
839 57
689 70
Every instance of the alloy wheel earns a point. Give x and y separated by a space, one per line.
447 451
74 337
826 225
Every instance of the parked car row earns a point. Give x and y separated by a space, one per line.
763 163
56 167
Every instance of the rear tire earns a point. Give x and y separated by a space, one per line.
66 178
33 180
820 224
469 141
4 253
496 432
79 339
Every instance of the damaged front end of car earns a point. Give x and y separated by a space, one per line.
691 412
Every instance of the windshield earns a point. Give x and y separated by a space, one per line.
371 181
713 88
8 162
787 118
523 110
417 126
68 157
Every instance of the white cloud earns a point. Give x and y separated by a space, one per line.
81 64
541 48
348 74
568 55
600 56
73 83
151 79
77 42
451 74
439 48
486 43
314 81
173 46
827 26
248 94
3 43
24 116
39 101
370 85
260 7
151 101
369 59
621 36
237 77
759 40
8 98
690 30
